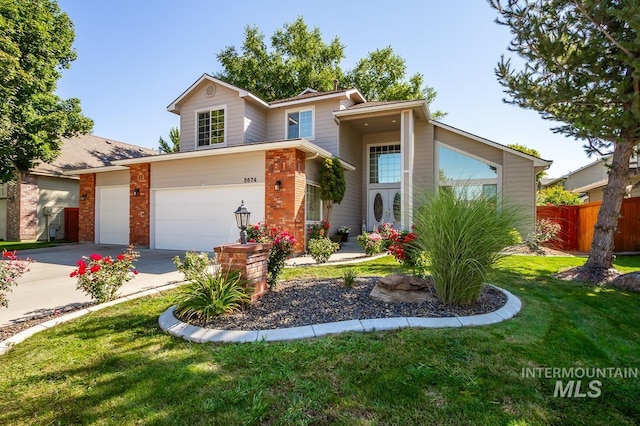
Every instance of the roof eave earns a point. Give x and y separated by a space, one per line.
113 168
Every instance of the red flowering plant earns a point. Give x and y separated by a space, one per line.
11 268
404 249
283 243
318 230
101 277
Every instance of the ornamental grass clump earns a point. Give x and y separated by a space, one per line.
462 236
212 293
11 268
101 277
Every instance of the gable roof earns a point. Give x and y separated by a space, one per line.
306 95
537 162
89 151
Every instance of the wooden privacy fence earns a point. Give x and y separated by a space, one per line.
577 224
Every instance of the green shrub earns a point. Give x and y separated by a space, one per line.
194 265
283 244
11 268
372 243
322 248
211 294
462 237
349 277
318 230
546 230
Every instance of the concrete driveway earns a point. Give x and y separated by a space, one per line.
47 286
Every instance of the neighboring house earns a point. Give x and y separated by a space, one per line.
40 204
590 180
236 147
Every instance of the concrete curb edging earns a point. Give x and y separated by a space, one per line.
5 345
169 323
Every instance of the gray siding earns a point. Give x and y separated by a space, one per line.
198 100
121 177
351 212
592 174
255 123
423 160
217 170
57 194
519 188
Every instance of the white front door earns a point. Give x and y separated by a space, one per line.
385 206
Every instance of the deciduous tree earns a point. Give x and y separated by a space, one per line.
35 46
582 70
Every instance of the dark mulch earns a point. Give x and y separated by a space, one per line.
305 302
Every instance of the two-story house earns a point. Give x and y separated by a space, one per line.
236 147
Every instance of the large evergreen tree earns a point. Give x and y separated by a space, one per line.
582 69
35 45
300 59
174 137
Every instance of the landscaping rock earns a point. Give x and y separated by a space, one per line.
403 282
402 288
627 282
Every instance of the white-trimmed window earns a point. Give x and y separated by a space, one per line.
211 127
300 123
313 203
467 174
384 163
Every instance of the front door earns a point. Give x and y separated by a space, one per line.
385 206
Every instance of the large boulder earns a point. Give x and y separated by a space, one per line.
402 288
627 282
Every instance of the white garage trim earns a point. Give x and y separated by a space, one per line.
112 214
201 218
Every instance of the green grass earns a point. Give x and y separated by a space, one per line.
116 367
17 245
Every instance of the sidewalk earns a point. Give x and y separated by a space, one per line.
351 252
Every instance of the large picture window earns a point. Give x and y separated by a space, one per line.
211 127
300 124
465 174
384 164
314 204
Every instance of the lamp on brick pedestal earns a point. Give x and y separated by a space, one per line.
242 220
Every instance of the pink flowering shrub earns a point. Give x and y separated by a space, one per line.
11 268
283 243
101 277
372 243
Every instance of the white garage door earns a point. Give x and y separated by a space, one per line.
202 218
113 215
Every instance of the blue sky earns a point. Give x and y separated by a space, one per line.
136 57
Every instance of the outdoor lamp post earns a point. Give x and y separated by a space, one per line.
242 220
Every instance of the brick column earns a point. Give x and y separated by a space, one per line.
139 204
22 208
251 260
285 208
87 210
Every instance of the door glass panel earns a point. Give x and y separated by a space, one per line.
397 207
377 207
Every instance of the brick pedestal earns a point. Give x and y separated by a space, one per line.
251 260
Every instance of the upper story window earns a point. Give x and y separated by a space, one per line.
300 124
465 174
384 163
211 126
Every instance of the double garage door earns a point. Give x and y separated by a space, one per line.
202 218
182 219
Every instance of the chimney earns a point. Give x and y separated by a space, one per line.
335 84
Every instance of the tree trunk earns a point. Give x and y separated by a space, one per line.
601 254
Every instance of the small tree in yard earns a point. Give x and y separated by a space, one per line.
332 184
582 70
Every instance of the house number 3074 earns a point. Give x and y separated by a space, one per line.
250 180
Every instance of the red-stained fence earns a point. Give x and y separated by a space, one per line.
577 224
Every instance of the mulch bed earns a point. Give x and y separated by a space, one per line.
306 302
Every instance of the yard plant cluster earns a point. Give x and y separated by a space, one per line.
11 268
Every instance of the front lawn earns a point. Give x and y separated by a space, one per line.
115 366
27 245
